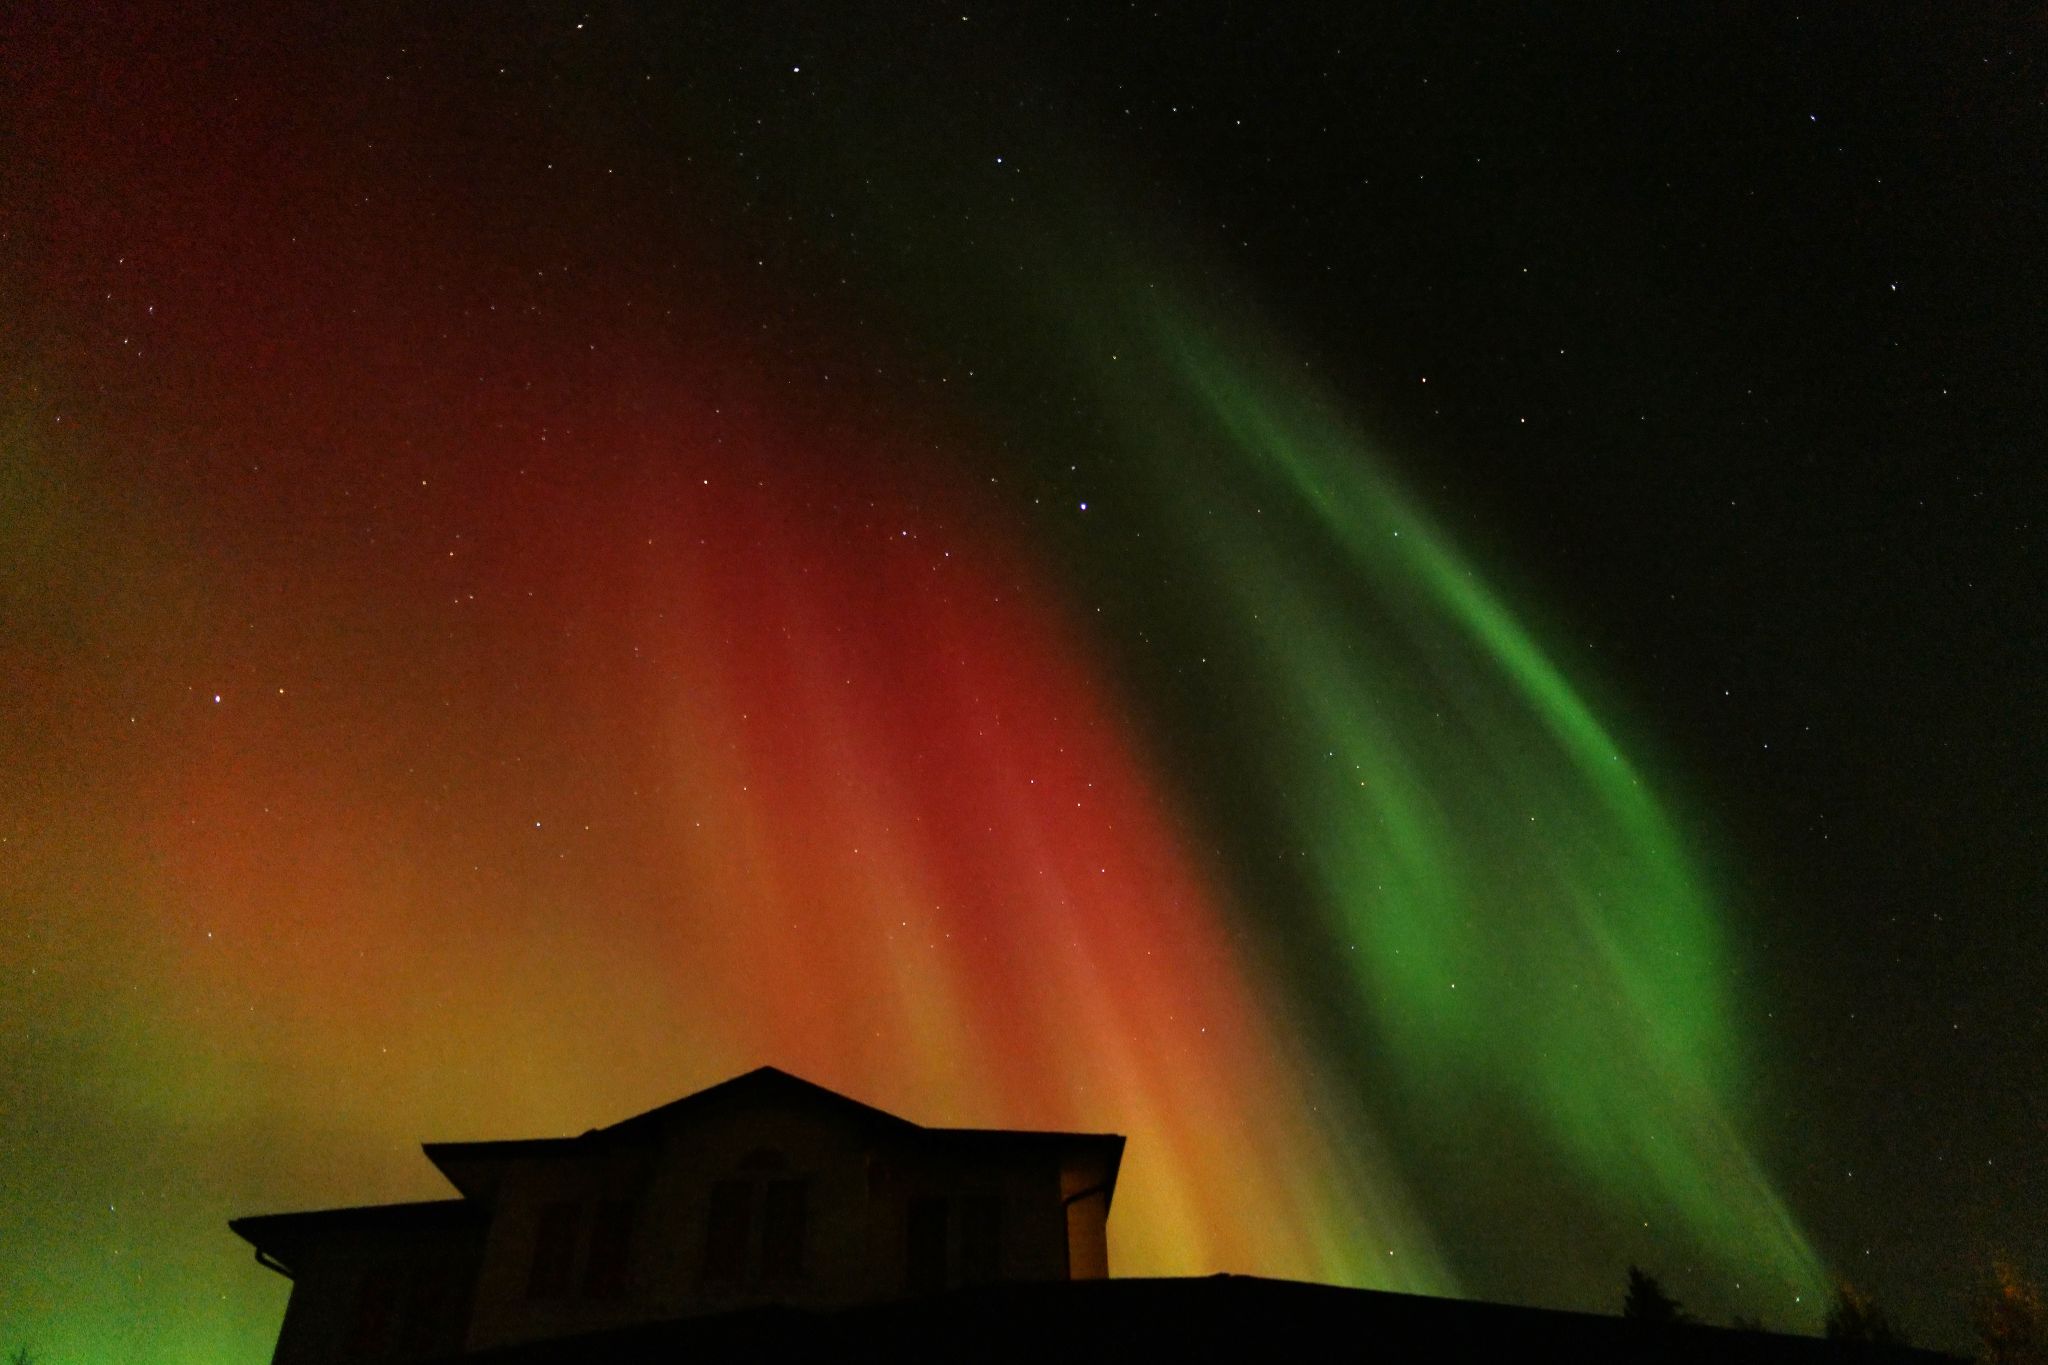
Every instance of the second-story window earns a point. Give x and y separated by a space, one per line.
554 1251
981 1238
925 1244
426 1311
729 1230
369 1332
611 1246
757 1223
782 1229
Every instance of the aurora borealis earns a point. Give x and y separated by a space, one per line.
552 560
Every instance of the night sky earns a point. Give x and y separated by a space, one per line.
1436 613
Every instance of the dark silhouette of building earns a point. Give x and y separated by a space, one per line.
763 1190
768 1218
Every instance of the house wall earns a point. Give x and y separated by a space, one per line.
669 1182
361 1297
826 1150
1023 1183
315 1317
859 1184
1084 1194
504 1308
1087 1237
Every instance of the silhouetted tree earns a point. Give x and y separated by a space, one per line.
2012 1326
1647 1302
1854 1318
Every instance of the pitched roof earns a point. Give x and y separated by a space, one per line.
763 1081
470 1166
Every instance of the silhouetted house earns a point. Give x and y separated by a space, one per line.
770 1219
764 1190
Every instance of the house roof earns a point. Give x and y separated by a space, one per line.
457 1160
284 1236
472 1166
760 1081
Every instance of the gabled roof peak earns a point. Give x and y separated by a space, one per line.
767 1078
459 1160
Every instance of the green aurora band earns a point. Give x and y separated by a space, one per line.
1514 925
1468 900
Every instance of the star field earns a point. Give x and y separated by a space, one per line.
1435 615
